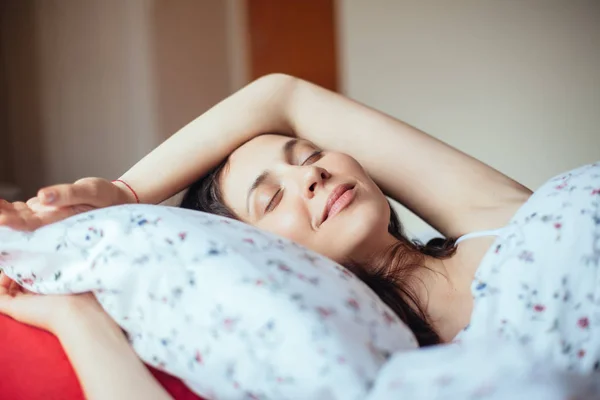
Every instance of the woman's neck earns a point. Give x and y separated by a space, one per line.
441 286
446 295
450 297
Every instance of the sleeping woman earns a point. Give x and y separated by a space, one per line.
297 160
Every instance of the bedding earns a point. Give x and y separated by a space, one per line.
485 369
251 315
535 328
33 366
539 283
232 311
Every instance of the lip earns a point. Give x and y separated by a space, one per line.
338 193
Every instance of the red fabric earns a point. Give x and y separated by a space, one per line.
33 366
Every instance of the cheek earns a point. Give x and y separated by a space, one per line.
345 165
291 225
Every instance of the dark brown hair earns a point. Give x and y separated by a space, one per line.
390 275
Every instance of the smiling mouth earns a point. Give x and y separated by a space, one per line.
340 198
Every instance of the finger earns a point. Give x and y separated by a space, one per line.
71 194
14 306
23 220
52 194
14 288
5 281
4 219
37 207
5 205
6 208
81 208
20 206
32 201
12 220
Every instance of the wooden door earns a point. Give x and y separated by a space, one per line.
297 37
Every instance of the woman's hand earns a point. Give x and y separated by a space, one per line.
50 313
106 365
22 217
95 192
58 202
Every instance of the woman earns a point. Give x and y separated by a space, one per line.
453 192
326 201
323 199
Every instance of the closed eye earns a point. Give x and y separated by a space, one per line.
313 157
273 203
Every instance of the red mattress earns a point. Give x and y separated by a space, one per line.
33 366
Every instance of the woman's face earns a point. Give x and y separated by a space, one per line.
323 200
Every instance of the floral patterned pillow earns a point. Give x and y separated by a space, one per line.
233 311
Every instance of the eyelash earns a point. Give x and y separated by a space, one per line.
315 153
270 205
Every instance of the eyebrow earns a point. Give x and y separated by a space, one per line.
288 152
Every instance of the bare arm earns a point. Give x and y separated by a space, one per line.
452 191
104 362
190 153
447 188
210 138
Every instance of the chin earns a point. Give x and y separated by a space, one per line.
354 231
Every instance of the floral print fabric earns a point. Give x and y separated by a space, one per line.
535 327
235 312
486 369
539 285
241 314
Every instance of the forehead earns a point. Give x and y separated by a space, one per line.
264 146
245 164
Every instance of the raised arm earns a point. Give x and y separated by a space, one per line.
452 191
258 108
203 143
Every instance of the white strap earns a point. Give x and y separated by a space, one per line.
472 235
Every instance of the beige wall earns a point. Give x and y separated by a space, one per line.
190 59
513 83
95 85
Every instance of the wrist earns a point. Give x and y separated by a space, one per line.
126 194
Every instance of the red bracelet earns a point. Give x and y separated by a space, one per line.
137 199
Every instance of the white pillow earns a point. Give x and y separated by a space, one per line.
233 311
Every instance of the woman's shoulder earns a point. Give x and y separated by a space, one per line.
566 198
583 182
564 202
563 210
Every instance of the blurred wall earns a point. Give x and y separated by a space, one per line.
513 83
20 118
6 169
92 86
189 46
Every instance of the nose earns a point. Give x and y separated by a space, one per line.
314 178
